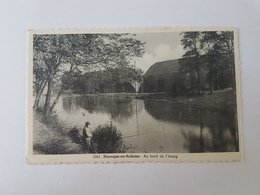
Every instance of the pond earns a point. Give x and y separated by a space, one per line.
155 126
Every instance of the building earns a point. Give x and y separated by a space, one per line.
172 77
166 77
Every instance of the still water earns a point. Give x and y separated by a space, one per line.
155 126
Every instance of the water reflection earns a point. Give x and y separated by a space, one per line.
158 126
217 130
119 108
215 135
73 104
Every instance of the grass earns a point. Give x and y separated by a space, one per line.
52 138
224 97
218 98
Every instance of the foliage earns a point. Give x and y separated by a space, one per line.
211 52
107 139
50 136
55 53
101 81
192 61
74 135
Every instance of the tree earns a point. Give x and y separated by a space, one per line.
211 45
191 61
227 39
122 75
108 80
212 52
39 79
219 55
58 52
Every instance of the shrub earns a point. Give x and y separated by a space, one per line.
107 139
74 135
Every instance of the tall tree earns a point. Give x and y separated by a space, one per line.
227 39
39 79
60 52
219 55
110 79
191 61
211 45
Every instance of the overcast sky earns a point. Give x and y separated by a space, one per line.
159 47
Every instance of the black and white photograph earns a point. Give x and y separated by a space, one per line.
130 97
134 95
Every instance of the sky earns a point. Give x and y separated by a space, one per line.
159 47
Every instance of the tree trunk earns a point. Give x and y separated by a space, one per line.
201 132
217 81
210 84
233 76
231 60
198 81
39 94
47 109
59 94
56 101
210 78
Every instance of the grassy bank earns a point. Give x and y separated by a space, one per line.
217 98
52 137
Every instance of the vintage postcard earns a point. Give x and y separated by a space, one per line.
167 94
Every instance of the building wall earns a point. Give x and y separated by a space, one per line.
175 82
172 83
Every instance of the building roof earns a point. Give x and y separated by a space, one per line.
165 67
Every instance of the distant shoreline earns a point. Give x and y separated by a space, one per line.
220 98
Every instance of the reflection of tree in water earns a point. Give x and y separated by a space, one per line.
119 109
87 103
218 129
68 104
217 136
187 114
166 111
73 104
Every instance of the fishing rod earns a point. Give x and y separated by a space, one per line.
138 135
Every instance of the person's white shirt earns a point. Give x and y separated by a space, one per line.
88 131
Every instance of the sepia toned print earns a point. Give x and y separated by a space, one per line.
134 95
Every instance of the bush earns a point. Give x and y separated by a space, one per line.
107 139
74 135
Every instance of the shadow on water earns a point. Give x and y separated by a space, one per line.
73 104
217 126
119 109
214 135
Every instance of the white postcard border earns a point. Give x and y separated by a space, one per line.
129 157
